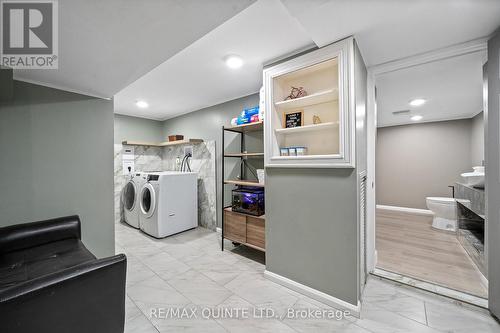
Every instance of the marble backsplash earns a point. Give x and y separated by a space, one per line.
202 162
474 195
164 159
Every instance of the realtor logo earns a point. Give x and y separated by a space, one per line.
29 34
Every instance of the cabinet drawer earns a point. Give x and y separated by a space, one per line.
235 227
256 232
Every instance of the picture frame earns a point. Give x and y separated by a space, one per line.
293 119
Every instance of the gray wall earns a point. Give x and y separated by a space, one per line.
6 82
492 121
57 159
421 160
207 124
311 229
138 129
312 226
477 140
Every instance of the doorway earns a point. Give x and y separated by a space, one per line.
427 120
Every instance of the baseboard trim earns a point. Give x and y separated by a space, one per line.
418 211
319 296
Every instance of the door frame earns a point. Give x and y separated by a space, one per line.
477 45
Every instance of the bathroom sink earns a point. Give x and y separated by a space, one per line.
475 178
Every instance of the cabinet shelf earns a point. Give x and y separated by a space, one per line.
327 75
238 227
244 183
306 128
240 155
162 144
250 127
325 96
229 209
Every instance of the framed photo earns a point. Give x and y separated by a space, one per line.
293 119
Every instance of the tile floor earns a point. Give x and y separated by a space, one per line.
188 271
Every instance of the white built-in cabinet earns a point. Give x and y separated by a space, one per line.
326 75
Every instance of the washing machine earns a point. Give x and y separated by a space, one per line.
130 199
168 203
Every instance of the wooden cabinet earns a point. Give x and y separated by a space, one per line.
245 229
235 227
256 232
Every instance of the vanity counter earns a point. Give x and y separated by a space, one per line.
472 194
471 223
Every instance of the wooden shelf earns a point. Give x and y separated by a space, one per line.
246 244
180 142
244 155
254 247
250 127
162 144
244 183
229 209
139 143
306 128
325 96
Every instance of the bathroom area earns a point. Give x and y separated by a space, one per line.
430 172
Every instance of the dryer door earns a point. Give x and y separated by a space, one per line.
129 195
148 200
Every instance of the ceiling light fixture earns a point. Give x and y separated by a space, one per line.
416 117
417 102
142 104
233 61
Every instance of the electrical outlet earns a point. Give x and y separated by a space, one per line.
188 150
128 167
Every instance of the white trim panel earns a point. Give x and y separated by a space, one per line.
417 211
319 296
343 50
476 45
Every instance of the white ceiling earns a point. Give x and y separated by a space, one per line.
169 52
197 76
106 45
453 89
392 29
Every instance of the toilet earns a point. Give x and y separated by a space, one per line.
445 212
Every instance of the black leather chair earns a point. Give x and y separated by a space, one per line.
49 281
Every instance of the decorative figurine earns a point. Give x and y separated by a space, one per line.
316 120
296 93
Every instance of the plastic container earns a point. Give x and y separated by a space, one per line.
301 151
243 120
260 175
284 151
249 112
292 151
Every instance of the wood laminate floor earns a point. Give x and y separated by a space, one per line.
407 244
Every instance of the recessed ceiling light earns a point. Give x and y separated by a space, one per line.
417 102
416 117
142 104
233 61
